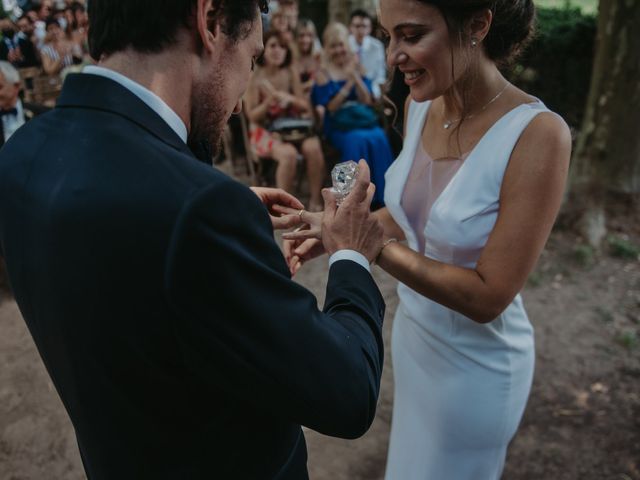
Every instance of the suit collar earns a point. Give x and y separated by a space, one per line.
84 90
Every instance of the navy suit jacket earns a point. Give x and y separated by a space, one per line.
162 306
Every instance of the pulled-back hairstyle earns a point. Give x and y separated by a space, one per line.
149 26
511 29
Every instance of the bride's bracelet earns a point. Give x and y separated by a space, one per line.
384 244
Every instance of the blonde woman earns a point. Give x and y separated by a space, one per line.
346 95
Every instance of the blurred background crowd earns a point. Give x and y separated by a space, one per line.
51 35
317 97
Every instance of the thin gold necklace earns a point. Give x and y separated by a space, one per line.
448 123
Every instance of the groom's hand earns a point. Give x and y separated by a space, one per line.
271 198
351 226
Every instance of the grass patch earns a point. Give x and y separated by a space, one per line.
623 248
535 279
628 339
584 255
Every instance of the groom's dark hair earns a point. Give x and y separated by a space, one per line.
149 26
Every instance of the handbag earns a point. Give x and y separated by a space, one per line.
292 129
353 115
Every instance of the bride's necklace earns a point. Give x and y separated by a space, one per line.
448 123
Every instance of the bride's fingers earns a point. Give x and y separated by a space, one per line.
302 234
285 222
287 249
305 247
284 210
305 216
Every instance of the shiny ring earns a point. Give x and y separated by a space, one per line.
300 213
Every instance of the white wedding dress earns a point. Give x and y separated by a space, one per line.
460 386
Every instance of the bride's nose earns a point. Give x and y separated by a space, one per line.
395 56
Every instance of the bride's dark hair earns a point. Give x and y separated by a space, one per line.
511 29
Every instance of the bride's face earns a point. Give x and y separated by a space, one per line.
420 47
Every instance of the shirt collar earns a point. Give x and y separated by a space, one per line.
147 96
366 41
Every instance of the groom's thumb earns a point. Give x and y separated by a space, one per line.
329 202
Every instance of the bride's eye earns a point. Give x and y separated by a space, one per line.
412 38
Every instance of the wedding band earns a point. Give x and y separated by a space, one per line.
300 213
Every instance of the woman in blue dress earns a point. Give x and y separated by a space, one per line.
341 86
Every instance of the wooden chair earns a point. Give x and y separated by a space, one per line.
46 89
27 76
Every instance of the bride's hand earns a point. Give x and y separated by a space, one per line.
312 220
298 252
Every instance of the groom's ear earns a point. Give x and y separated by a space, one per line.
208 23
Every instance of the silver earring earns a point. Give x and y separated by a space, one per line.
474 42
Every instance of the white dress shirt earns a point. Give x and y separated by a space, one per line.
175 122
11 123
372 57
147 96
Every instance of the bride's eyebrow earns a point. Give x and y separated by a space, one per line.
402 26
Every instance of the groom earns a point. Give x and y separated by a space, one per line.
151 283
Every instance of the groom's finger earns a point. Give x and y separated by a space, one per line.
284 210
329 203
281 197
359 192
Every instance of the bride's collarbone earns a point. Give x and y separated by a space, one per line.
441 143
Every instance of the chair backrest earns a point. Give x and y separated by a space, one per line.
26 79
46 89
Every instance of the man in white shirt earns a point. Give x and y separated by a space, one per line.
370 50
12 111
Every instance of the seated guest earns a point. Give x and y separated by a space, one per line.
25 38
76 16
274 93
369 50
350 124
80 17
58 51
13 112
40 16
280 23
308 57
9 49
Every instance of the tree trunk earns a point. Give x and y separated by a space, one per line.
340 10
607 155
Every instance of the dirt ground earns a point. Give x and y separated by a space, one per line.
582 420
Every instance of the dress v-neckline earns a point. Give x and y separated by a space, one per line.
465 161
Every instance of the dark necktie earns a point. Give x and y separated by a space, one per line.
8 111
3 112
